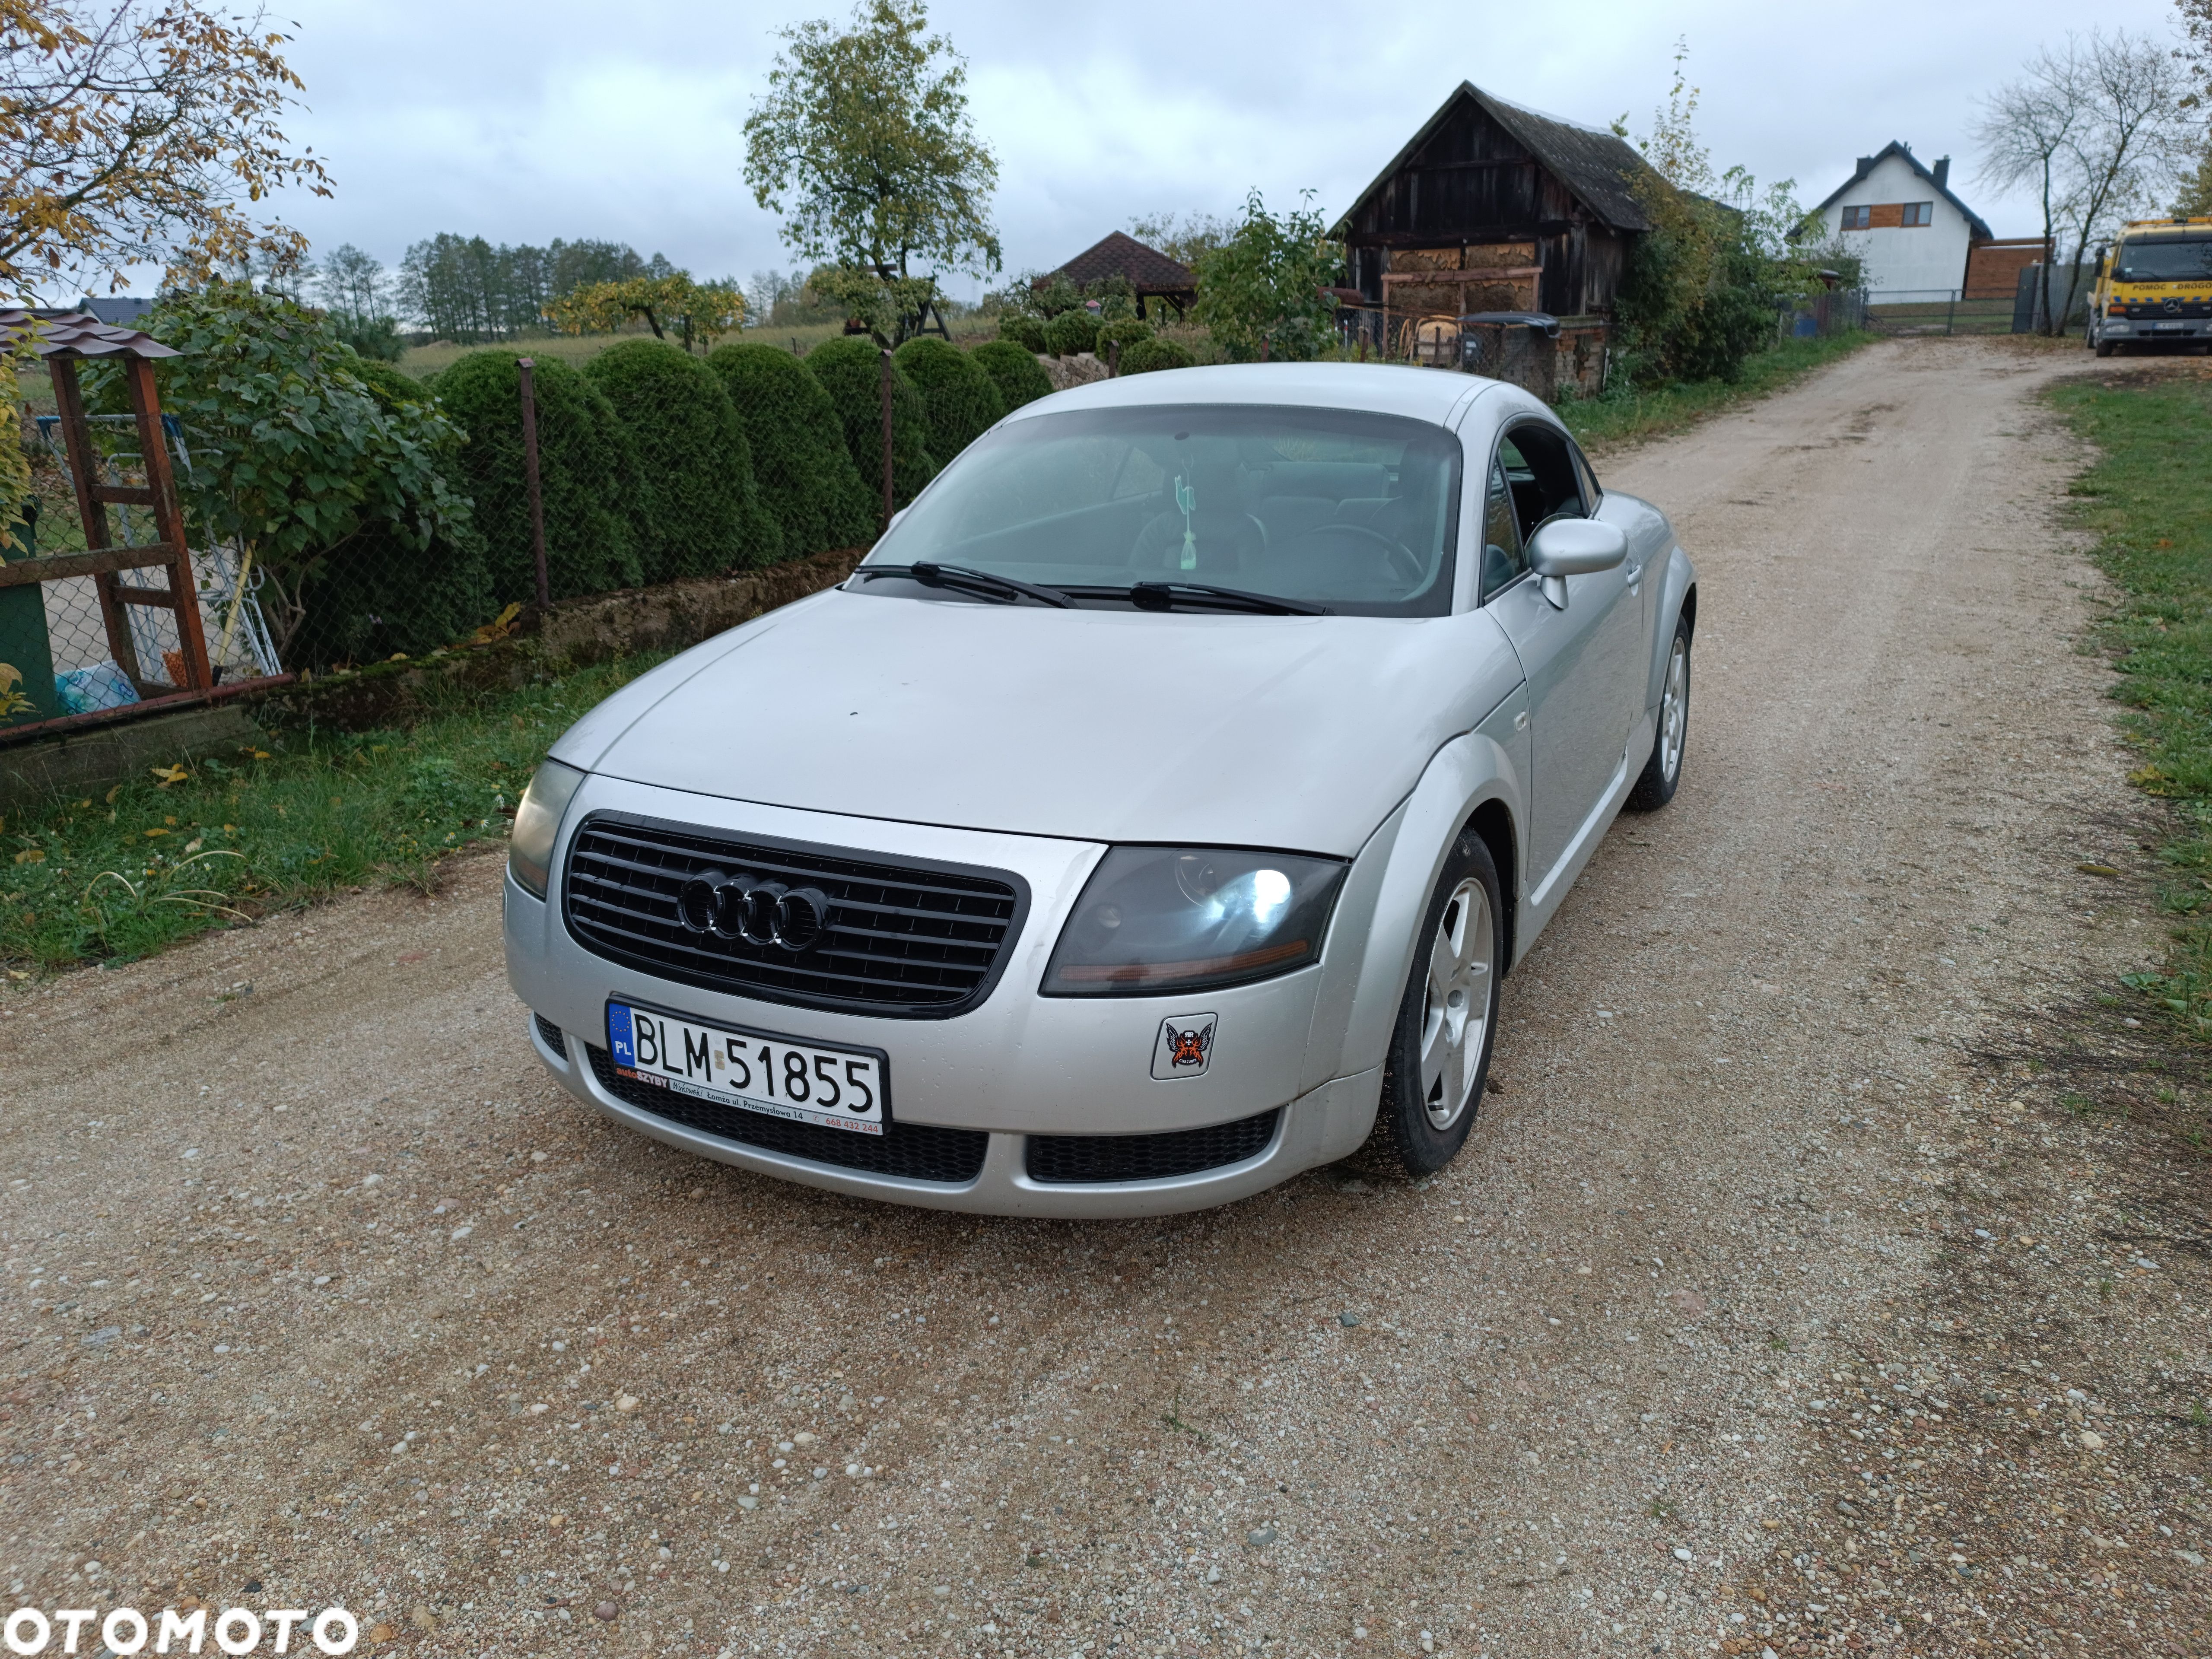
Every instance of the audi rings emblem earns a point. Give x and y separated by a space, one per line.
760 912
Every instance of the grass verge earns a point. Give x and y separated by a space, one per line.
317 812
2147 499
1625 416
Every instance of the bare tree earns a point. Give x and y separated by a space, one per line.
2096 129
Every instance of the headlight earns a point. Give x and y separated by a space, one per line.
1157 918
537 821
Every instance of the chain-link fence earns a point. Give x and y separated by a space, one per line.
83 655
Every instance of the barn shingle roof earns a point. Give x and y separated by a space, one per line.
1599 167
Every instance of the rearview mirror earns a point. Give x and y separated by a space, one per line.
1576 547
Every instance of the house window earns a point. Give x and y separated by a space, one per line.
1919 213
1857 218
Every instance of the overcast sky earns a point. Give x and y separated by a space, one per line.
525 122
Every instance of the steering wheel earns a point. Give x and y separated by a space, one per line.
1396 554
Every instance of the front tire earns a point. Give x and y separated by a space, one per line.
1439 1054
1662 773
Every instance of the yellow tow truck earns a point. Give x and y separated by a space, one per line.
2154 284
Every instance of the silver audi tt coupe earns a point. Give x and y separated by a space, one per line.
1151 817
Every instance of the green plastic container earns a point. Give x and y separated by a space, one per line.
24 645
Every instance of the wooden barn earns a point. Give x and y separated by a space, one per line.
1494 208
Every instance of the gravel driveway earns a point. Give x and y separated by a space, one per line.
316 1291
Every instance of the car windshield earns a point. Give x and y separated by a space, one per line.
1350 511
2164 260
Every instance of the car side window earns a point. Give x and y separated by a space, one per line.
1539 469
1502 563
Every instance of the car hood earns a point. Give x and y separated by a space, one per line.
1289 732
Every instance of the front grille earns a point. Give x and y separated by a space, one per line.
910 1151
555 1038
1072 1159
916 940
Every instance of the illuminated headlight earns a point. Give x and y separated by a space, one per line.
1153 920
537 821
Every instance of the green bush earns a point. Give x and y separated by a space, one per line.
1148 355
586 468
1027 332
296 458
1015 371
963 399
376 592
1126 330
807 476
850 371
697 510
1071 333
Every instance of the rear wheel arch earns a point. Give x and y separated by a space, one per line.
1690 609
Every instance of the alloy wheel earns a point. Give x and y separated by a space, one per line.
1675 709
1456 1009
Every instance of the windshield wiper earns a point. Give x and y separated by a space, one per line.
1162 596
966 579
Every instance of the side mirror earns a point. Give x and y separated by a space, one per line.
1576 547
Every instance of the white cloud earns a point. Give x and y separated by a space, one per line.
528 121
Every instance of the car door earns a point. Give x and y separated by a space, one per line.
1581 659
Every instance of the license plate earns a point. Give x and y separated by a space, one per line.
2175 327
753 1071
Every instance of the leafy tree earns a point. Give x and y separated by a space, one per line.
1698 295
696 508
961 397
863 142
294 457
586 470
2196 197
380 593
356 297
1184 238
129 132
463 289
807 480
1015 371
697 311
850 370
1262 293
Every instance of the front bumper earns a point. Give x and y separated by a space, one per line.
1017 1066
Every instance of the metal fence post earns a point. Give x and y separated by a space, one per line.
523 366
887 437
1951 316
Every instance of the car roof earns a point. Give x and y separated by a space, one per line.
1421 394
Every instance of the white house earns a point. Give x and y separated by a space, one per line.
1901 218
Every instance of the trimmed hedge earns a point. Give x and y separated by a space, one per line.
806 477
587 468
695 510
1148 355
850 371
1071 333
1127 330
375 594
963 399
1014 370
1027 332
